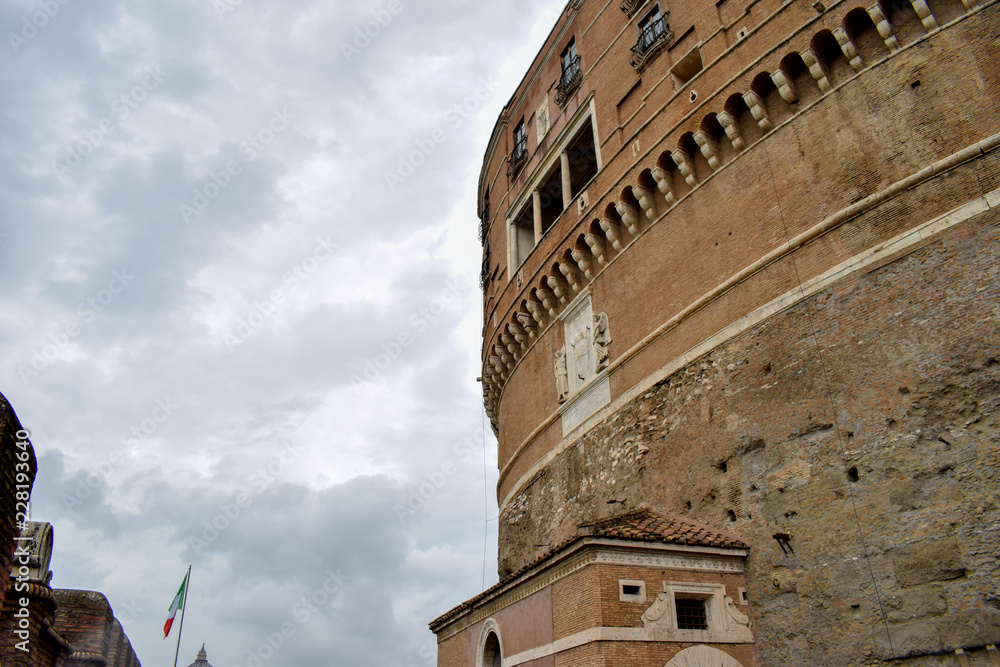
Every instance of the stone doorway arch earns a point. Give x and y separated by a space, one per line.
703 656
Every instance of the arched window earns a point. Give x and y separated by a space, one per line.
492 655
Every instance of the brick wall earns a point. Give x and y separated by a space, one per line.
878 394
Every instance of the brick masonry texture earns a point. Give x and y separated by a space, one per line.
880 394
850 436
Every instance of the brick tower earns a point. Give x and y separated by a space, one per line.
740 344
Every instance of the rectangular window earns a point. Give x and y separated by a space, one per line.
569 79
650 28
691 614
570 62
520 142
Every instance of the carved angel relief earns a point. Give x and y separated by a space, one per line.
585 354
602 341
562 374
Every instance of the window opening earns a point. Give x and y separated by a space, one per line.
582 159
691 614
570 78
654 33
519 155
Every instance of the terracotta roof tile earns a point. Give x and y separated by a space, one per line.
641 525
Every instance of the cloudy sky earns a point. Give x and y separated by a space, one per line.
240 312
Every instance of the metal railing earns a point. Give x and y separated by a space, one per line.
569 81
629 6
484 272
653 37
518 157
484 223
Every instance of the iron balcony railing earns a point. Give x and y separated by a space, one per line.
484 272
629 6
654 36
569 81
484 223
518 157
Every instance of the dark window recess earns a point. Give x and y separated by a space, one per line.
628 589
582 159
570 78
519 155
654 35
484 273
691 614
552 201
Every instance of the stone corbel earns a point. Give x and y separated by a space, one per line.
758 110
535 308
596 245
646 200
816 70
520 335
505 357
548 300
683 162
559 287
512 345
785 86
630 216
571 274
662 179
883 27
610 228
581 261
926 17
707 146
847 46
732 129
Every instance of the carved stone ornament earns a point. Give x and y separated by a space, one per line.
602 341
562 374
36 543
735 614
657 612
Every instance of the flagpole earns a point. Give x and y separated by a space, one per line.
187 586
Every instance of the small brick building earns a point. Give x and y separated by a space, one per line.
740 266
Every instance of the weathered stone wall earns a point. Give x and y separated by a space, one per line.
861 426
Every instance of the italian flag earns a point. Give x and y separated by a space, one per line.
178 603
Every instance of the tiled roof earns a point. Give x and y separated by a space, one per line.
641 525
648 526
